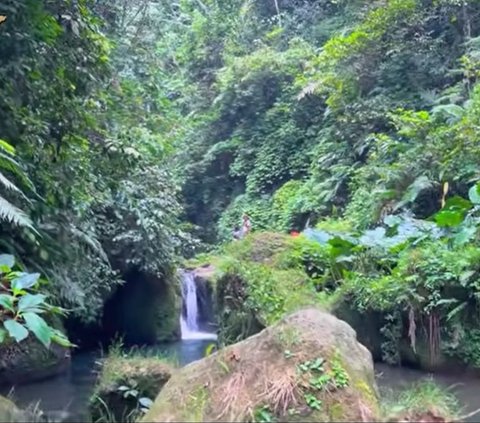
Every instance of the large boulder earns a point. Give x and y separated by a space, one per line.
307 367
125 382
9 413
30 361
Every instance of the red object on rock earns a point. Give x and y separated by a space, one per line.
295 233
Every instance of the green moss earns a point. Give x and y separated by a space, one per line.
363 387
200 260
168 308
289 337
262 247
257 283
196 405
146 309
336 412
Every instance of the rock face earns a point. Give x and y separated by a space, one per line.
204 277
120 378
308 367
31 361
145 310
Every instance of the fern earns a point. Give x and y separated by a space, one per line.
9 185
12 214
9 212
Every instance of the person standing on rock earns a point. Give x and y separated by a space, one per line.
246 225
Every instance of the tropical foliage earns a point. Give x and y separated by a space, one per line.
22 307
131 129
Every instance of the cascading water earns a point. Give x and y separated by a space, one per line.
189 317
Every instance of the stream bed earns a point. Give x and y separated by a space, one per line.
65 397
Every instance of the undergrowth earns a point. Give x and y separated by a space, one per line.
422 399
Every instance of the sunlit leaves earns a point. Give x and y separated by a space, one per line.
15 330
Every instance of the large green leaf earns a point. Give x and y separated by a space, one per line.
466 234
474 194
15 330
39 327
447 218
6 301
373 237
30 303
25 281
457 203
7 260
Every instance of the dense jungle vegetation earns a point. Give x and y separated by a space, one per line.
135 133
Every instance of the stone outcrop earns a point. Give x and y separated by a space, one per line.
307 367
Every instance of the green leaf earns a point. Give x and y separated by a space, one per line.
457 203
7 260
7 301
447 218
30 303
60 339
25 281
3 335
15 330
474 194
7 147
39 327
465 234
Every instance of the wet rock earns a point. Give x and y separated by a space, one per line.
144 310
204 279
30 361
308 367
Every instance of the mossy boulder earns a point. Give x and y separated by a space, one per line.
256 283
124 381
31 361
307 367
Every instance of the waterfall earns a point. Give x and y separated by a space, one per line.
189 317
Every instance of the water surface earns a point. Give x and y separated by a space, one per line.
65 397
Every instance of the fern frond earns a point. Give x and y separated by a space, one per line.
9 164
9 185
7 147
12 214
